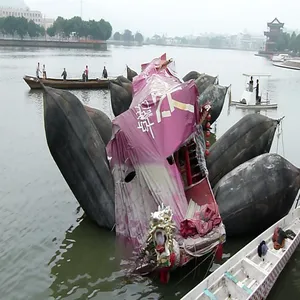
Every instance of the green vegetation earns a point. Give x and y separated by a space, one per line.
288 42
98 30
127 36
20 26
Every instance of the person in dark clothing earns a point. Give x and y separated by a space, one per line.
83 76
258 98
251 84
104 73
64 74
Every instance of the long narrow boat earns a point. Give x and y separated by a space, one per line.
35 83
246 275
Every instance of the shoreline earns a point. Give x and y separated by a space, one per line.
95 45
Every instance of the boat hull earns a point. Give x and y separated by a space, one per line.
71 84
264 272
282 65
257 106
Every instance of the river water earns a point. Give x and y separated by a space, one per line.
46 250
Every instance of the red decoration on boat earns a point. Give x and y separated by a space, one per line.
207 125
207 133
206 152
164 273
208 117
219 252
207 144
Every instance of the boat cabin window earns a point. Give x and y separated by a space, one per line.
170 160
129 177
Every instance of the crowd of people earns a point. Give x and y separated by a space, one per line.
85 74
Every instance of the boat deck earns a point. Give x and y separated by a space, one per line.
246 275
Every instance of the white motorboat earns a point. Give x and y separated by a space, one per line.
280 57
246 275
248 99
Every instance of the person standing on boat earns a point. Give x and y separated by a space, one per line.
86 73
104 73
38 71
251 84
258 99
44 72
64 74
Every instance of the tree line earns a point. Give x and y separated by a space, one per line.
288 42
98 30
127 36
20 26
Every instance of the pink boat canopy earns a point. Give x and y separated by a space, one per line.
163 115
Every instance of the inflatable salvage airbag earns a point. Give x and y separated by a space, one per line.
80 154
257 194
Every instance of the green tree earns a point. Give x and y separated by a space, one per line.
51 31
117 36
283 40
33 29
139 38
127 36
10 25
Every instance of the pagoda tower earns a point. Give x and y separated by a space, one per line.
275 30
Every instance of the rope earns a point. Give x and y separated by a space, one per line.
194 269
210 264
280 132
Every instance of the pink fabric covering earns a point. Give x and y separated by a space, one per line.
202 223
163 114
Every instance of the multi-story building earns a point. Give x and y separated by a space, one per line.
34 15
18 8
275 30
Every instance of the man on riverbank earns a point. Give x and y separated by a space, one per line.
64 74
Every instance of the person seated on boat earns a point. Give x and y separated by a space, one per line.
83 76
251 84
104 73
86 73
38 71
44 72
64 74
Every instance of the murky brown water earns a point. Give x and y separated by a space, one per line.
45 252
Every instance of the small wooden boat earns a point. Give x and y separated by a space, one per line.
256 106
35 83
246 275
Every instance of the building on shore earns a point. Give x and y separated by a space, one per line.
275 30
18 9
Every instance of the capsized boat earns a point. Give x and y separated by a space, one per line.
163 200
252 272
248 98
35 83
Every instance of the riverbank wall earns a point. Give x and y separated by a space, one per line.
96 45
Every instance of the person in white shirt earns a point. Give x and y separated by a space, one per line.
44 72
38 71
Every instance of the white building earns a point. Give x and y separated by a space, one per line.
18 9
